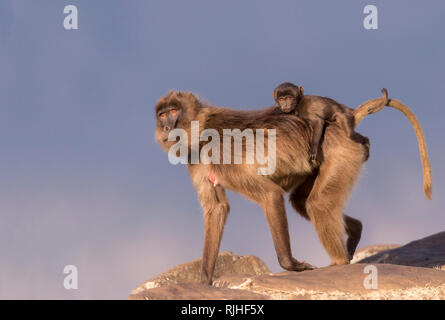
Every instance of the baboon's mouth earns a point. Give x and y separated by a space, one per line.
164 137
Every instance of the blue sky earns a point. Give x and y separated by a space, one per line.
82 181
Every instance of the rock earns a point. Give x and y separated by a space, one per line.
195 291
190 272
371 250
412 271
427 252
344 282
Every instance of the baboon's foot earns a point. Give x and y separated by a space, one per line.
205 280
339 262
313 158
296 265
302 266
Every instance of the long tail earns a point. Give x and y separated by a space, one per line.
375 105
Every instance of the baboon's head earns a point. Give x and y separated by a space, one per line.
174 110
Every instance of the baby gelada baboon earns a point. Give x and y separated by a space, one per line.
317 110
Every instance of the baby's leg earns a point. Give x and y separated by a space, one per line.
317 125
346 123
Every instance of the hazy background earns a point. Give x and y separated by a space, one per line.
82 181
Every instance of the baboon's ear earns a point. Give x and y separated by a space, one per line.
300 90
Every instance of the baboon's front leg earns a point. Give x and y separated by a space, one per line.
216 208
273 206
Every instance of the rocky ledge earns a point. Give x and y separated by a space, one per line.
412 271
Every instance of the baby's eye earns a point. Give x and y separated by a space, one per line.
173 112
163 115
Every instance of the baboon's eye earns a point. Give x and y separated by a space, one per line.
163 115
173 112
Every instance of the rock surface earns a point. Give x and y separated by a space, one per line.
372 250
427 252
190 272
413 271
344 282
195 291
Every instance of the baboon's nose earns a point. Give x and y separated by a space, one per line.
167 128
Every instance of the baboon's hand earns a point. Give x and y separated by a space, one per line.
302 266
313 159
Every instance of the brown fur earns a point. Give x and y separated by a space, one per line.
318 195
318 111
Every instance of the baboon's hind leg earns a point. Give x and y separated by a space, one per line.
325 203
299 196
353 226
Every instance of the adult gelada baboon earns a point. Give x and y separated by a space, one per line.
317 193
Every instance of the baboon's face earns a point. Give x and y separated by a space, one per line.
173 111
286 95
168 114
287 102
167 119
